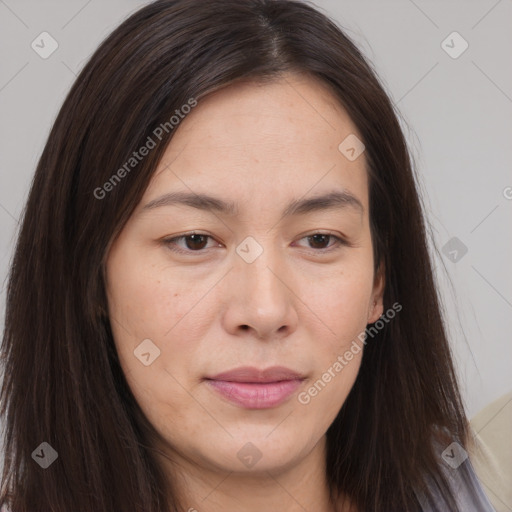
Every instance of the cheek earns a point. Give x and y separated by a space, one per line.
150 301
147 299
323 397
341 302
163 400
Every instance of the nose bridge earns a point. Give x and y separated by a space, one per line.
258 264
259 297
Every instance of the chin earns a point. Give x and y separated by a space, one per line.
260 451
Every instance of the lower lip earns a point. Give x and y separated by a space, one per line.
263 395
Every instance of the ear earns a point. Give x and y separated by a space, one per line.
376 306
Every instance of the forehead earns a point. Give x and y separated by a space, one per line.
260 141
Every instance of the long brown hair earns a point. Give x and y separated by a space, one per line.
63 382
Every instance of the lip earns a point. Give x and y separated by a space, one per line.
252 388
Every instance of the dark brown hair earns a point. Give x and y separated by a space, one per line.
63 383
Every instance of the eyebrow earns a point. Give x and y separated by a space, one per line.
332 200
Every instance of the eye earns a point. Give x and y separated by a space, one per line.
198 242
320 241
192 242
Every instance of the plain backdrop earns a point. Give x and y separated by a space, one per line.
455 110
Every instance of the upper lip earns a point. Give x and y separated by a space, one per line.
251 374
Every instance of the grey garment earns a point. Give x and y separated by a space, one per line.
465 487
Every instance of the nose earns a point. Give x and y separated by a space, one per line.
261 301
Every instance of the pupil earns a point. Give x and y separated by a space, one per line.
196 240
319 238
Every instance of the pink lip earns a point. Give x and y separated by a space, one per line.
256 389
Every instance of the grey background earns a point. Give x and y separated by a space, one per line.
456 114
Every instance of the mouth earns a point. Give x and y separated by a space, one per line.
251 388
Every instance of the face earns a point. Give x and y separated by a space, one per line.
230 314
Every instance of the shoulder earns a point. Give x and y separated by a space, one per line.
455 464
467 488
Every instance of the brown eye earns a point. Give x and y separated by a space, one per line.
324 242
186 244
195 242
319 241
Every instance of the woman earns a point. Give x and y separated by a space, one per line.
221 296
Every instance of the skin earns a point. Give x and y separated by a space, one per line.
299 304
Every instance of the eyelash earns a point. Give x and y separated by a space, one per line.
169 243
